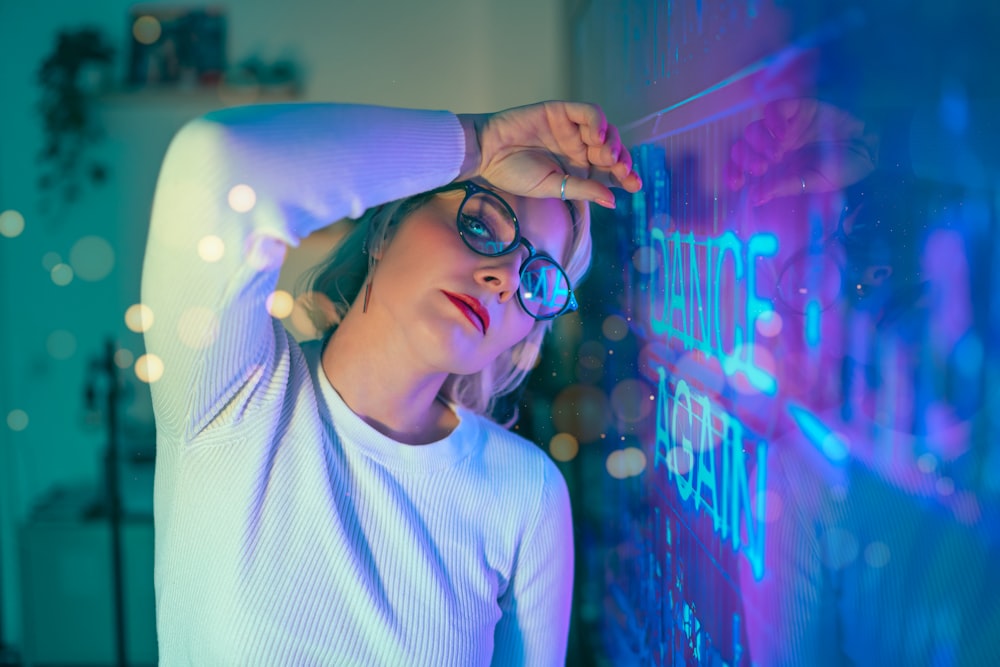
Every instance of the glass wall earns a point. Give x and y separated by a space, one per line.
781 432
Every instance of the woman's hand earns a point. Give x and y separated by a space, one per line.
527 150
801 145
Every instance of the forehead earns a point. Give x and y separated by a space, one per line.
546 223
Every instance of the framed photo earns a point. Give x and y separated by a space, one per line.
176 47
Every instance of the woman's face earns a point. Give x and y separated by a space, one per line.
459 310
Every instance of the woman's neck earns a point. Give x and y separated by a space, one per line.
391 396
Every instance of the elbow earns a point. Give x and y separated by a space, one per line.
195 143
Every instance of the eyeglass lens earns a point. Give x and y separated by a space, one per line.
486 225
544 287
813 275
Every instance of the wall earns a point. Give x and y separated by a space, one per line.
460 55
804 302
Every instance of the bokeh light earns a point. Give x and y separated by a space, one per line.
61 274
581 410
769 324
645 260
211 248
280 304
635 460
124 358
146 30
149 368
628 462
17 420
92 258
139 317
615 465
773 506
590 355
242 198
927 463
630 400
945 486
61 344
841 548
198 327
877 554
679 461
706 370
50 260
614 327
11 224
563 447
763 359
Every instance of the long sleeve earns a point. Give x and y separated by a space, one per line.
534 628
248 181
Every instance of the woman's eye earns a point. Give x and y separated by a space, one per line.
477 227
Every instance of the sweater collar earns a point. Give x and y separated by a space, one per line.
360 437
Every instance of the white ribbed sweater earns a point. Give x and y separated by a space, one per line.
288 531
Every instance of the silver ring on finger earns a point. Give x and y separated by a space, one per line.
562 188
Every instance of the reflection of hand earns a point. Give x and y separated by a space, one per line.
527 150
801 145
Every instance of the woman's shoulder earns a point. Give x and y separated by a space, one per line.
506 450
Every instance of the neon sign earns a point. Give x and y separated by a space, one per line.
705 453
686 305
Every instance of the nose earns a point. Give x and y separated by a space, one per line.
501 275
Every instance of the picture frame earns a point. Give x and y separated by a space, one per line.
176 47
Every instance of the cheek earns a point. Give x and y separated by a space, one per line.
514 327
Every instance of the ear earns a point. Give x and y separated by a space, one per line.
379 250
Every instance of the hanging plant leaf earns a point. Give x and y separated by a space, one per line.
68 121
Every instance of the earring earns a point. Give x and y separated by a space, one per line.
368 293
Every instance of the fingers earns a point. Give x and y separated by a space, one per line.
591 120
761 141
777 115
608 161
527 151
744 160
613 158
773 186
790 120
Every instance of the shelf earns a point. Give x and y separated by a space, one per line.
201 96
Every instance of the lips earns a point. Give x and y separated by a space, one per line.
471 308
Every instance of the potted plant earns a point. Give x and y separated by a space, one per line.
70 77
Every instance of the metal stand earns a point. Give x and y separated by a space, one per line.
104 371
8 656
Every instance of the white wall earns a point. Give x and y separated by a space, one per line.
464 55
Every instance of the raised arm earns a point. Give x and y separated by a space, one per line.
247 182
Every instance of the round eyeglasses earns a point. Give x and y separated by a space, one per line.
489 227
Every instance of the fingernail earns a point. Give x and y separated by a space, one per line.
602 135
606 203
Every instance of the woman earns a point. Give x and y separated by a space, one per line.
345 502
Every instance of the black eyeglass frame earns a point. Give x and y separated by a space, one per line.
472 189
846 267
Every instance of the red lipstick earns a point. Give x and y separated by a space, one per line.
472 308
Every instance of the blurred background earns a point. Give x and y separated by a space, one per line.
776 409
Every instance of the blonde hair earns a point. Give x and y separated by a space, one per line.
344 273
